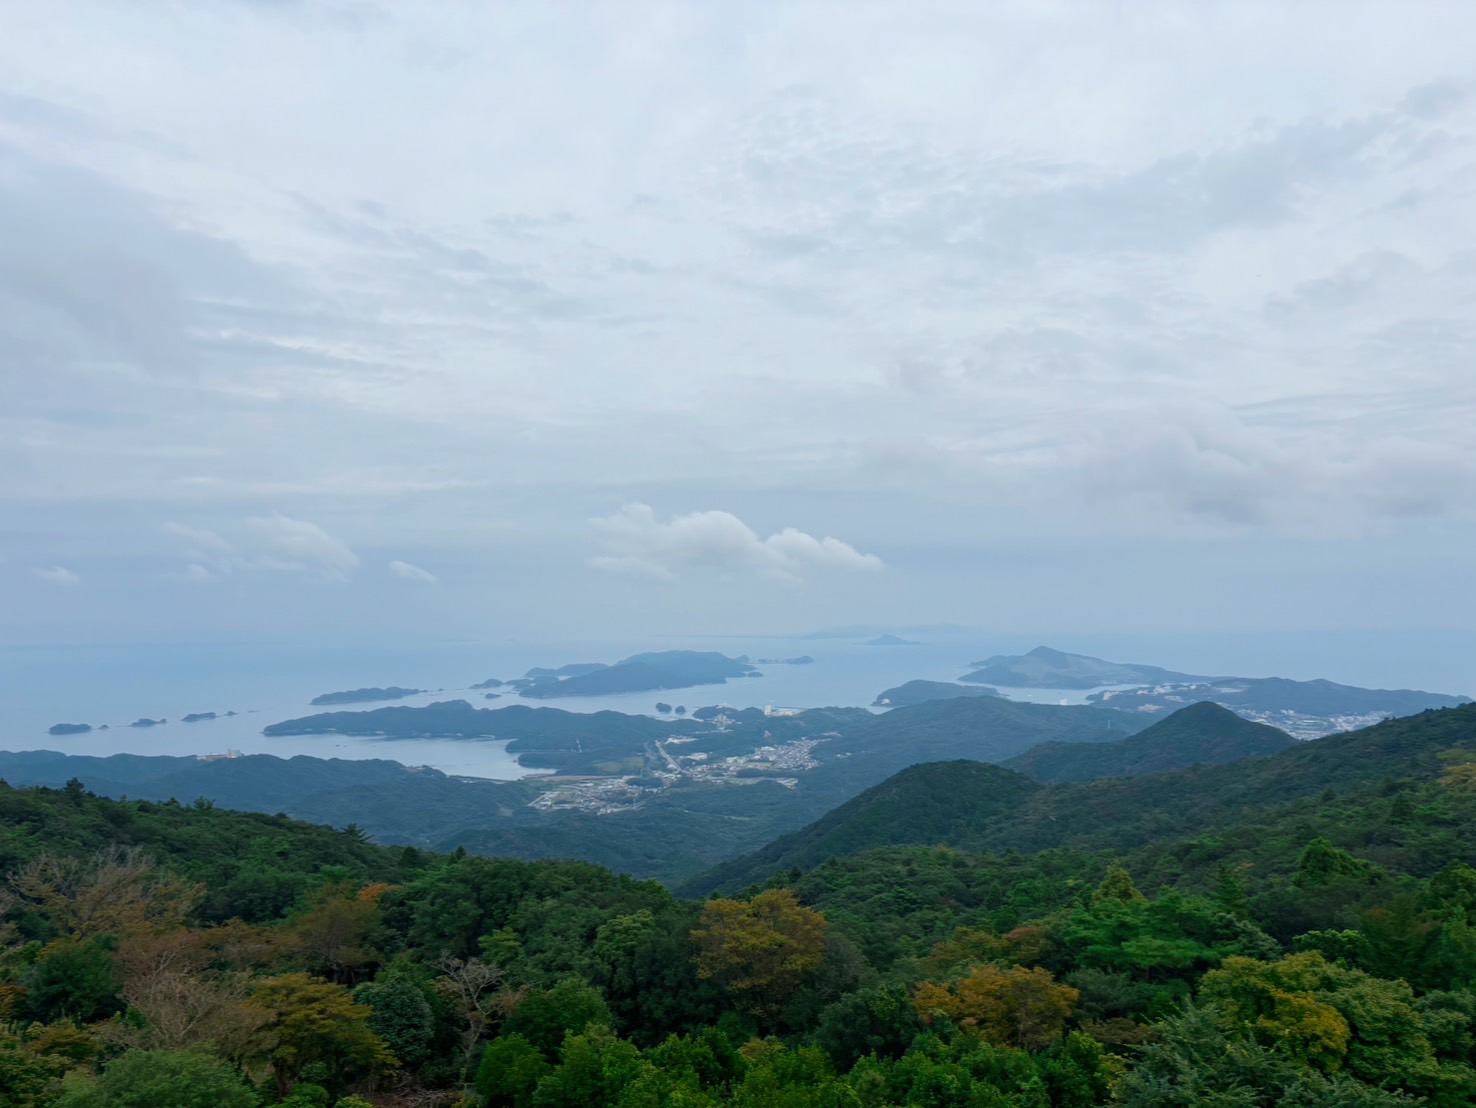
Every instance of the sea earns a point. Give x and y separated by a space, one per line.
267 683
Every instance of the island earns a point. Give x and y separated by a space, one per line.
573 669
918 692
890 640
69 729
198 717
649 672
490 683
1044 668
802 660
145 721
492 696
364 696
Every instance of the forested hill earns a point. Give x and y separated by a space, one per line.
255 866
935 802
1201 734
1313 947
1115 813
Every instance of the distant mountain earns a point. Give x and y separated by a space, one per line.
917 692
981 728
1305 709
1044 668
936 803
364 696
1201 734
890 640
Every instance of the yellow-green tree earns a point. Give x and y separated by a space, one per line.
762 950
1011 1006
310 1020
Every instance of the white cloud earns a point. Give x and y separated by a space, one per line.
270 544
300 546
636 543
413 572
57 575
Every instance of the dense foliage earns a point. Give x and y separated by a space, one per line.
1317 950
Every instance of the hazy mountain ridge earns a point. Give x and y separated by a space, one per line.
1201 734
1304 709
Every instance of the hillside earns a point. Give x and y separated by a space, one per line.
934 802
1201 734
255 865
391 802
980 729
1125 813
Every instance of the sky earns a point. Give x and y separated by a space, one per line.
335 319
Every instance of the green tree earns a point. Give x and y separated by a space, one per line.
545 1016
25 1076
400 1012
510 1070
74 979
162 1079
595 1068
1117 885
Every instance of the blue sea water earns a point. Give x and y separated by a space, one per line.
264 684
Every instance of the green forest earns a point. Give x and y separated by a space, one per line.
1295 929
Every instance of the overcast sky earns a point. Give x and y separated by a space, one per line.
532 319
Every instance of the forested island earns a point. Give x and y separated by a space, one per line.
1293 928
364 696
650 672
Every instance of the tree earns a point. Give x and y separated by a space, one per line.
1117 885
116 891
400 1014
75 979
162 1079
1194 1063
474 989
545 1016
167 980
510 1070
595 1068
313 1021
25 1076
333 931
762 950
1012 1006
